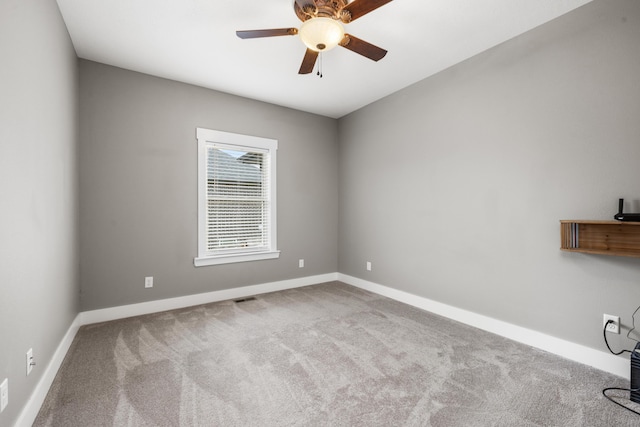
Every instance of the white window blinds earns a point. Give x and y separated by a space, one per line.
237 200
236 193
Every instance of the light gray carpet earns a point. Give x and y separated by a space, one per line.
324 355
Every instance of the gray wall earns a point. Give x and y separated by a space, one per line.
38 191
138 200
454 187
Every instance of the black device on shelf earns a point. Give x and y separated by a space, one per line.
625 216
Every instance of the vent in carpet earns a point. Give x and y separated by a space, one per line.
245 299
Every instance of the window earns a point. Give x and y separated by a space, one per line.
236 198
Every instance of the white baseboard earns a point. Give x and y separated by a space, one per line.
121 312
588 356
572 351
31 409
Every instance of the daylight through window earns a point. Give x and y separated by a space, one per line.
236 193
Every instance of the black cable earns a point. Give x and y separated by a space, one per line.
630 390
604 333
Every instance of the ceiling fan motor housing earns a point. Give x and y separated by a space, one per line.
322 9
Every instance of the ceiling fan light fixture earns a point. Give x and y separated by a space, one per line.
321 34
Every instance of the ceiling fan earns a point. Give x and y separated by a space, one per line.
322 28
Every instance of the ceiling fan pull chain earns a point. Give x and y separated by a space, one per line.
319 73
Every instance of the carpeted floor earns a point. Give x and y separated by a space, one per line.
324 355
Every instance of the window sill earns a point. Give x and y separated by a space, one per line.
228 259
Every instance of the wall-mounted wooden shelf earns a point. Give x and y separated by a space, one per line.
600 237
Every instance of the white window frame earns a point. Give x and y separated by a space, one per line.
207 138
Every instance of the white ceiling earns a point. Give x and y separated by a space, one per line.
194 41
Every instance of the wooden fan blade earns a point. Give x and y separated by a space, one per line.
254 34
308 62
359 8
362 47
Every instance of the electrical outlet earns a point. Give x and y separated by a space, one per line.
614 327
368 265
300 263
30 362
148 282
4 394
